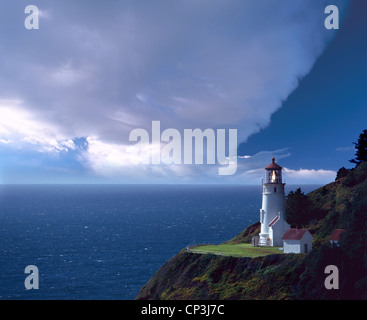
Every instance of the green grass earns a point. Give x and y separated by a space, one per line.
237 250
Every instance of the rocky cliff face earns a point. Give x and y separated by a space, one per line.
191 276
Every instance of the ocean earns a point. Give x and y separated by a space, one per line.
104 242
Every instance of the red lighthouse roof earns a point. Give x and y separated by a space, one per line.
273 165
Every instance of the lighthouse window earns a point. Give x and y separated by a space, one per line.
275 189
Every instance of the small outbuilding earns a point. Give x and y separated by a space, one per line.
335 237
297 241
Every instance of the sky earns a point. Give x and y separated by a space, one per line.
73 91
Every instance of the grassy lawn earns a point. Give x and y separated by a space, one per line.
238 250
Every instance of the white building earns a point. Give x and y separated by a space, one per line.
297 241
272 213
335 237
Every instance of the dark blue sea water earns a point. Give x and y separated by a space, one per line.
107 241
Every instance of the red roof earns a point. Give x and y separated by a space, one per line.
294 234
273 165
336 234
273 221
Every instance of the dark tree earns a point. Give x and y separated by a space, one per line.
297 208
342 172
361 149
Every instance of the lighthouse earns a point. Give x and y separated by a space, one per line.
272 213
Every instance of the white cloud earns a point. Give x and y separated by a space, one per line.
5 141
251 170
290 176
261 159
99 71
22 130
69 144
309 176
19 128
342 149
207 65
107 158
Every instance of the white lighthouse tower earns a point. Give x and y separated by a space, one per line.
272 213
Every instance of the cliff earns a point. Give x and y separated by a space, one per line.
209 277
341 204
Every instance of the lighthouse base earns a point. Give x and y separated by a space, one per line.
264 240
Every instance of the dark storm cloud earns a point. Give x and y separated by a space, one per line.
100 69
